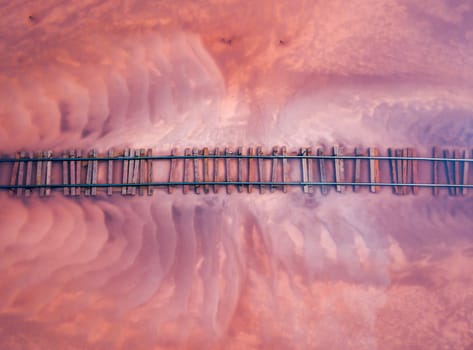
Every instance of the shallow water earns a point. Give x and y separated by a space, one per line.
352 271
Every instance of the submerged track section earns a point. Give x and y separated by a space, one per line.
202 170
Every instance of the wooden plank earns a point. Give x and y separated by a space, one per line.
95 168
49 164
195 152
339 168
322 172
228 152
251 169
457 171
88 175
393 169
305 171
185 172
206 174
72 172
21 175
142 171
405 171
449 172
126 154
409 170
78 172
149 174
274 168
284 168
259 153
136 172
466 166
307 175
172 169
29 173
215 172
399 173
14 172
310 171
374 169
42 190
131 168
65 174
357 172
415 170
240 169
435 170
110 172
39 173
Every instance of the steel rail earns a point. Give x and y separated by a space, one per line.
231 156
234 183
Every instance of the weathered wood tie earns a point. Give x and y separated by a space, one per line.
42 189
310 170
259 153
374 169
125 172
339 168
228 153
305 170
172 170
284 168
357 171
435 170
14 171
399 171
322 171
21 171
274 168
240 169
215 172
136 172
29 174
457 171
251 169
393 169
65 174
449 172
78 172
142 172
150 172
415 189
88 176
206 173
185 171
72 172
465 172
110 172
48 155
195 152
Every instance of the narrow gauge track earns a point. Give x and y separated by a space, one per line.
138 171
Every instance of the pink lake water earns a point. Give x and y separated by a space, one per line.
240 271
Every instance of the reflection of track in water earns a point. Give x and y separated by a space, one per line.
402 170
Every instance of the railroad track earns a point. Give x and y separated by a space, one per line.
203 170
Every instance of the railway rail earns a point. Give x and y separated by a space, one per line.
203 170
